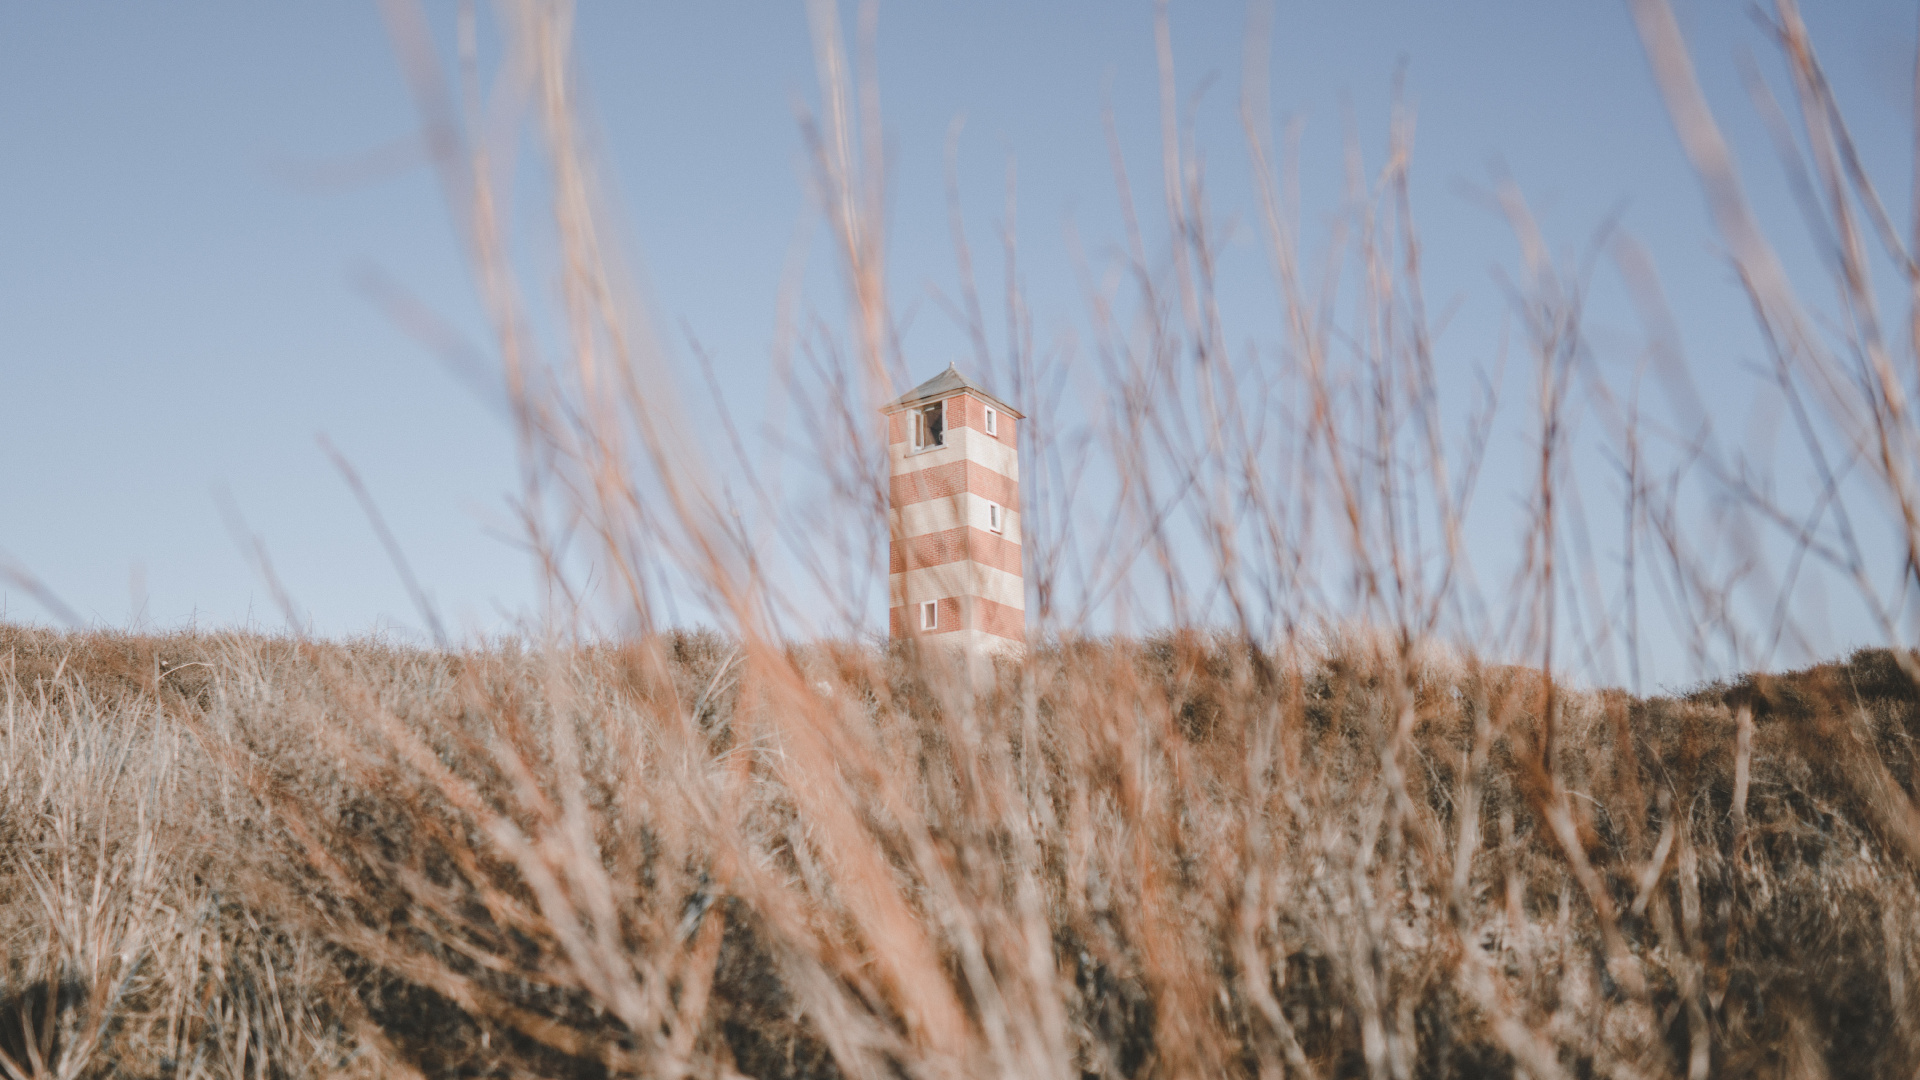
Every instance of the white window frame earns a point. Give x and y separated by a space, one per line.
930 615
996 518
920 442
993 421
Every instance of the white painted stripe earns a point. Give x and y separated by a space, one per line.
956 579
964 444
939 515
973 643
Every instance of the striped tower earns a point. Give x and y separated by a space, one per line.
954 575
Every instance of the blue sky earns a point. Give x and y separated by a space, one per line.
191 192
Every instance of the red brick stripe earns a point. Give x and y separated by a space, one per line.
945 481
964 410
951 546
930 549
991 549
991 616
969 411
1000 620
905 621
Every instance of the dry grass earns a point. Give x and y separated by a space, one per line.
1364 829
245 856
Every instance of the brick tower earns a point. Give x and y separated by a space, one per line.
954 562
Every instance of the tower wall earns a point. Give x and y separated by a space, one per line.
943 546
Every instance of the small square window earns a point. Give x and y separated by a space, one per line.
993 420
996 518
930 615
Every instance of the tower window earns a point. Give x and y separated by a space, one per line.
993 420
930 426
930 615
996 518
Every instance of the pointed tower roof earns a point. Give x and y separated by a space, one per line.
946 384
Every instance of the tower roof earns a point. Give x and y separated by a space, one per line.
946 384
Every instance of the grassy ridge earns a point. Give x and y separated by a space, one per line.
231 855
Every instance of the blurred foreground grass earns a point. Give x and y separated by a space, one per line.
234 855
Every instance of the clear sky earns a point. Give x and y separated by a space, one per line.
189 194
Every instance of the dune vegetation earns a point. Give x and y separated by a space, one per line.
232 855
1347 811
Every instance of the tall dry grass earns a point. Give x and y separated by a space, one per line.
1173 857
1361 825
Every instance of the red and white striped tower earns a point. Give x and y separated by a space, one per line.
954 576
